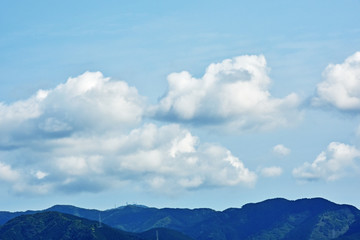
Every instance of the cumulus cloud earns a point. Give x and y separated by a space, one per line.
341 85
329 165
93 101
8 174
89 102
88 134
271 171
281 150
233 93
167 159
20 112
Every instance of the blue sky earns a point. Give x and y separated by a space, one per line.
178 104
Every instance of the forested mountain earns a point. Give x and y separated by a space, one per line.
61 226
271 219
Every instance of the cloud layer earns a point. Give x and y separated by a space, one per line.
341 85
233 93
165 159
87 135
92 133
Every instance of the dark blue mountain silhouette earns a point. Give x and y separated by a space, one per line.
279 218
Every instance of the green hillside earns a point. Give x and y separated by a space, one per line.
59 226
274 219
163 234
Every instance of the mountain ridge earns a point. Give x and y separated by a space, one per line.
60 226
278 218
31 211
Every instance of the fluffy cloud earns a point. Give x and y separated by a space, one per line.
7 174
341 85
271 171
92 101
20 112
87 134
281 150
329 165
88 102
167 159
234 93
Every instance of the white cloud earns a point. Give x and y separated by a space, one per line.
234 93
281 150
329 165
271 171
23 182
167 159
7 173
17 113
183 145
341 85
92 101
88 102
184 162
88 134
40 174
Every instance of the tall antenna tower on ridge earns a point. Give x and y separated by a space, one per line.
100 220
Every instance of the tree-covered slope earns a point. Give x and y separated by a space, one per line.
59 226
163 234
275 219
283 219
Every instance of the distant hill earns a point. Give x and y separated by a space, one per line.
59 226
275 219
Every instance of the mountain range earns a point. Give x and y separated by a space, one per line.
273 219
